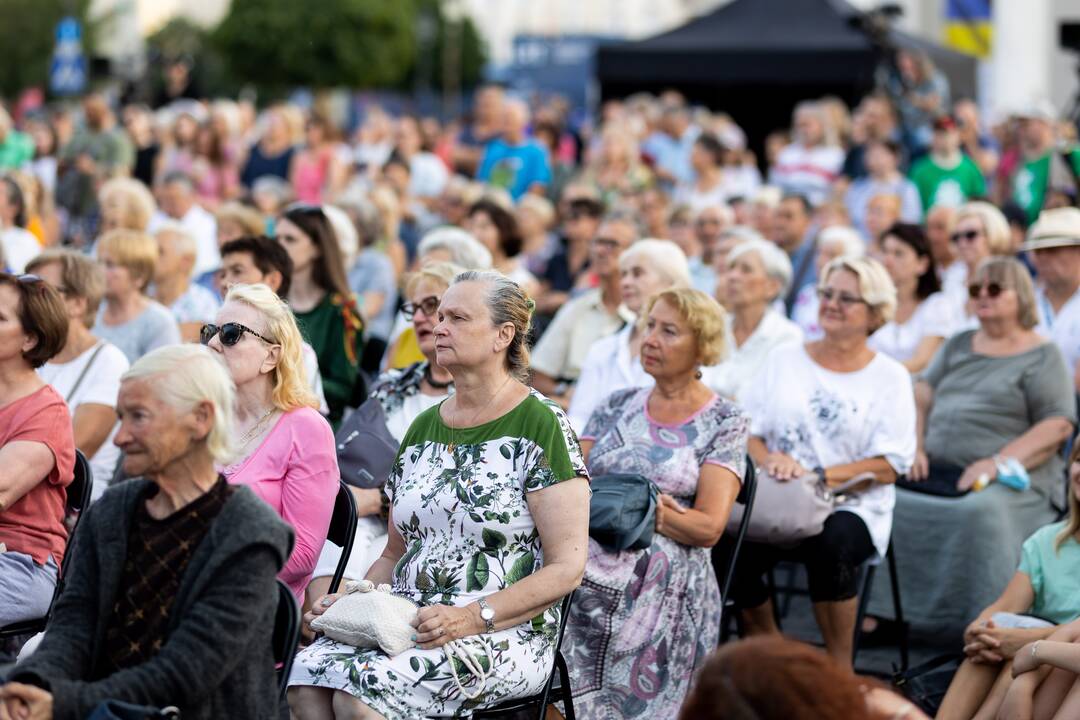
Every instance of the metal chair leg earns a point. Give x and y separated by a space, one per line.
864 601
770 581
898 608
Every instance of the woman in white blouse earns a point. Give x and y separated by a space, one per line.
613 363
835 409
757 272
832 242
924 316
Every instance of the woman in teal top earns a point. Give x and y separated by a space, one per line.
324 306
1045 589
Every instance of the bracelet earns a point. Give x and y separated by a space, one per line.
1035 650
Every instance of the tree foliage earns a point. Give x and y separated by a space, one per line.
428 68
181 38
28 35
277 44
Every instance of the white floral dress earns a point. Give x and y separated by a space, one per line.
458 499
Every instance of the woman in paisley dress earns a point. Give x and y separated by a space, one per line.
403 393
489 514
645 620
835 408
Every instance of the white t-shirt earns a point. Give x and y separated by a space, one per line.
804 312
808 171
698 200
19 247
1063 327
934 317
100 386
608 368
733 376
823 418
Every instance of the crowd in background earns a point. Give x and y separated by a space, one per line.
889 289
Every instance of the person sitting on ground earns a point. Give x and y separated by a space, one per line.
692 444
1043 594
86 372
37 451
128 318
191 304
403 394
192 632
837 409
533 548
614 362
989 395
924 316
757 273
284 450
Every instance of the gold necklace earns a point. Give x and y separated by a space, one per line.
453 429
250 434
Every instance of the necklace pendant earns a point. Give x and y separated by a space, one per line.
451 447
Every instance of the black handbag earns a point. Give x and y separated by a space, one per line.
941 481
622 511
365 448
925 685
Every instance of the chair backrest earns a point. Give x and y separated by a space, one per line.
342 531
286 635
746 499
81 488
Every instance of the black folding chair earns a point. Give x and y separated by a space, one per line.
286 635
726 566
78 499
551 693
342 531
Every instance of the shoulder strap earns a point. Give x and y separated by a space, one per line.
800 273
86 369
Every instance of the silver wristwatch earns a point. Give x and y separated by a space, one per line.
487 615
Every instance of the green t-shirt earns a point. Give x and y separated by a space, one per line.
950 187
1054 574
16 151
1029 183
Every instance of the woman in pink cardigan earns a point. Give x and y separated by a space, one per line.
284 448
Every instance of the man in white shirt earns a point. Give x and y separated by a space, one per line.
178 204
17 245
1053 245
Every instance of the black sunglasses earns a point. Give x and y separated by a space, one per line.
230 334
993 289
429 306
967 235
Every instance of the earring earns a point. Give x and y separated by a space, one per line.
697 375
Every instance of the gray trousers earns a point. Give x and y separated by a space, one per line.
26 588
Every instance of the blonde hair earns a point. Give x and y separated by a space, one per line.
291 387
507 303
995 226
442 273
82 277
186 375
1011 274
133 249
1072 526
875 287
706 318
135 201
247 218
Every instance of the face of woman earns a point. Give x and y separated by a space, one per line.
842 309
251 358
483 229
112 213
826 253
668 348
638 281
901 261
747 283
119 280
14 341
301 248
53 274
426 291
186 129
971 244
1005 306
464 334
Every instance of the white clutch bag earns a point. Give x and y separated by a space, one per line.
369 617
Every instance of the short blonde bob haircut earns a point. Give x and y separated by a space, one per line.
186 375
441 272
82 278
995 226
1010 274
706 318
875 287
132 249
291 387
131 199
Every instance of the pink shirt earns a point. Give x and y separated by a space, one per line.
295 470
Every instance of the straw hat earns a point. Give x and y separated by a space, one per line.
1059 227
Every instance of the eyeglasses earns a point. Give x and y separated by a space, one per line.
966 236
231 333
845 299
429 306
993 289
607 243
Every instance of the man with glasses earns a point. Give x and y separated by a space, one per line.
557 357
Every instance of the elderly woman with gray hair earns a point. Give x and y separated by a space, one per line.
191 631
757 273
613 363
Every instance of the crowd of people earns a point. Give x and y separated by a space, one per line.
197 297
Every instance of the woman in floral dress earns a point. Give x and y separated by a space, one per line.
645 620
487 533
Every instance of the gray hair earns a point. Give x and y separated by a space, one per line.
852 243
775 261
664 256
186 375
184 241
464 249
507 303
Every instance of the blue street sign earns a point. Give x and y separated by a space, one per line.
67 71
68 30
